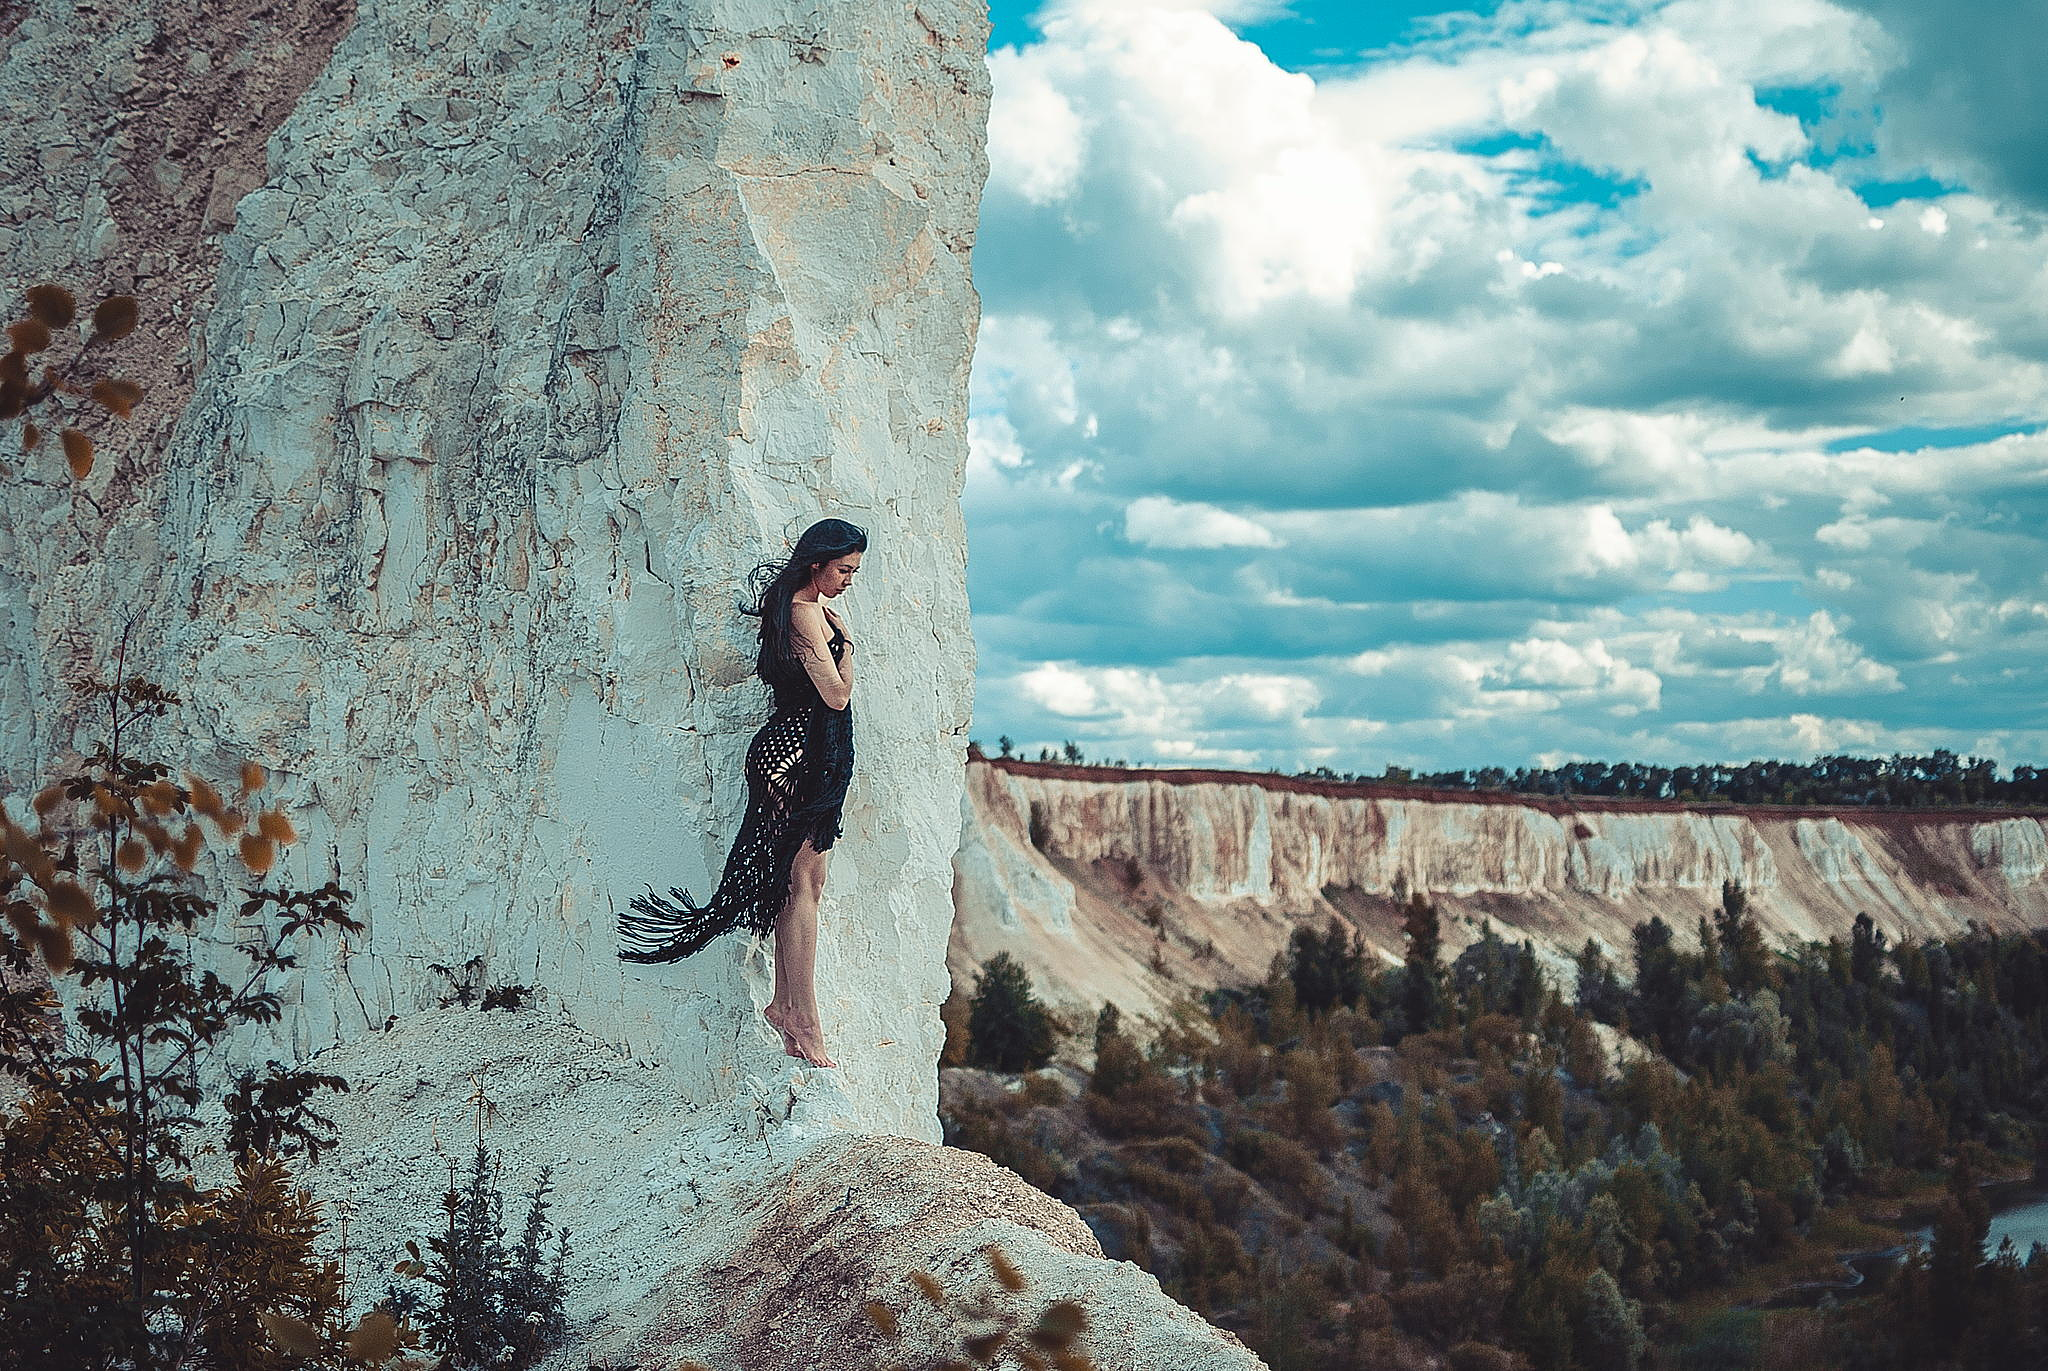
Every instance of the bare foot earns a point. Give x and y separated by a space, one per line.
813 1047
800 1036
774 1018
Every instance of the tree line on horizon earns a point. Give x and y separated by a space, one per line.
1900 781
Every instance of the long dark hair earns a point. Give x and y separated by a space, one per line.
776 582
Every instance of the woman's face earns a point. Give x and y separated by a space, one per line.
832 578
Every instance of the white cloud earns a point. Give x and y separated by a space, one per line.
1817 660
1509 368
1036 139
1156 521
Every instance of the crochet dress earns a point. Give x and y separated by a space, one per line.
798 767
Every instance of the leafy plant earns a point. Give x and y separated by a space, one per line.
51 309
111 1253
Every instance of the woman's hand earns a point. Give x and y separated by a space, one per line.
807 626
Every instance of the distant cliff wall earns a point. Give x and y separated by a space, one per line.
1089 874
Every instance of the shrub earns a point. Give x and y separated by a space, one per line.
111 1253
1007 1028
987 1129
1278 1163
495 1307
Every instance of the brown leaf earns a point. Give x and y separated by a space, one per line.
30 436
983 1347
231 821
1059 1324
70 905
47 799
13 393
374 1338
159 797
929 1286
258 853
29 335
1009 1276
54 943
273 824
132 855
205 798
114 318
78 453
26 852
881 1316
185 847
22 915
117 397
52 304
253 777
295 1336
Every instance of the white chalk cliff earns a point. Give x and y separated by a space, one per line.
1089 875
489 344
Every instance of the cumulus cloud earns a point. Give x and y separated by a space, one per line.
1156 521
1561 362
1959 91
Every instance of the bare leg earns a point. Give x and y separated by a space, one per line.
794 1009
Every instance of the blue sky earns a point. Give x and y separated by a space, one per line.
1365 384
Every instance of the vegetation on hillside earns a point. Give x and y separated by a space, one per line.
1465 1163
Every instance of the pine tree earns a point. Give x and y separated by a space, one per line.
1866 951
1327 968
1422 976
534 1287
1745 959
1657 1008
495 1307
1599 991
1611 1328
1008 1029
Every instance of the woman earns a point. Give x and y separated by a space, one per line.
798 767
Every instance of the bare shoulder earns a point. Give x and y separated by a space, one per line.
807 617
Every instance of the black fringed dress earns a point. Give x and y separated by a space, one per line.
798 767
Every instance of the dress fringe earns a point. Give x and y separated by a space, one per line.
798 770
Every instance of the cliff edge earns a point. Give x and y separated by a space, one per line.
488 345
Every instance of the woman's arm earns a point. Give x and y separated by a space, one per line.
808 636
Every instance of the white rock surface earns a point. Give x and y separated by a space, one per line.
534 328
541 327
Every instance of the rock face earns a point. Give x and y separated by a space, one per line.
746 1237
534 332
1069 869
489 346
